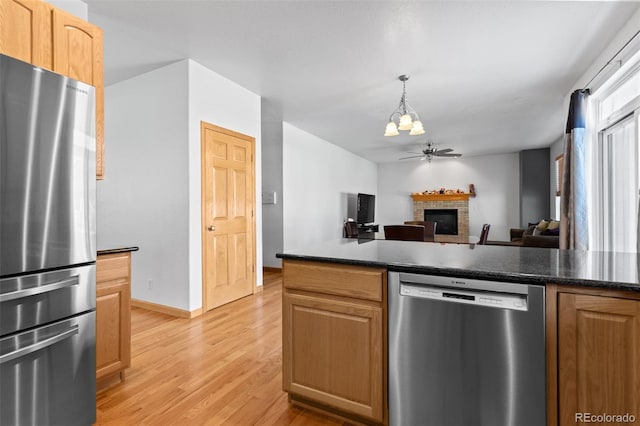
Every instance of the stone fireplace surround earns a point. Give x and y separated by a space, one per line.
419 206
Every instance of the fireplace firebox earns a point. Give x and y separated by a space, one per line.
446 219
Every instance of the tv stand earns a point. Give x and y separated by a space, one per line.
367 229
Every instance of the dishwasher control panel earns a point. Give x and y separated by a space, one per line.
482 298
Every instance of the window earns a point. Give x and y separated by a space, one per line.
615 161
619 97
559 168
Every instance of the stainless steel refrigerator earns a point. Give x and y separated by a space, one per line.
47 247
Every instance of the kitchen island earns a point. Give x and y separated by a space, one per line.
335 321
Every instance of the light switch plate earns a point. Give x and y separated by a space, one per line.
269 197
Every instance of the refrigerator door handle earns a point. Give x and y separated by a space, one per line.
67 282
39 345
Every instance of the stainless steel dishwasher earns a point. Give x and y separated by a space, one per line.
465 352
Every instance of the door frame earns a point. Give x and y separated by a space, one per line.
203 227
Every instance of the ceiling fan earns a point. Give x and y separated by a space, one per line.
431 151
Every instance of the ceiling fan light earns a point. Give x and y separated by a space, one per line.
391 129
405 122
417 128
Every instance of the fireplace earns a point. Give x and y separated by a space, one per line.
446 219
446 202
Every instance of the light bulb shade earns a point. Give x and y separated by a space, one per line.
405 122
391 129
417 128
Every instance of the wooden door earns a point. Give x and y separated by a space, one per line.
228 223
78 53
333 353
598 356
25 31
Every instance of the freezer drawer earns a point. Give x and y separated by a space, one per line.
37 299
48 374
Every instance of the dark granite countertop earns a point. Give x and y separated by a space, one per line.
527 265
118 250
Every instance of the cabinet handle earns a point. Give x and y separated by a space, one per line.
18 294
211 228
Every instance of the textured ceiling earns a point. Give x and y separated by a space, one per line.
486 77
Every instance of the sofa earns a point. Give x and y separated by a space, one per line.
535 235
545 233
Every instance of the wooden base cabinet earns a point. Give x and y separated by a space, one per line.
334 319
597 355
40 34
113 318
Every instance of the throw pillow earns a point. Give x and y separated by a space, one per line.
554 231
537 231
542 225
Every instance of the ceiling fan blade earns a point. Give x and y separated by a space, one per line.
413 156
444 151
448 155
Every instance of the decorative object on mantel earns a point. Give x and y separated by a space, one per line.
404 117
444 194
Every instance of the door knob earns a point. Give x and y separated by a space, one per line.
211 228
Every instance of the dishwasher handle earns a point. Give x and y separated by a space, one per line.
488 299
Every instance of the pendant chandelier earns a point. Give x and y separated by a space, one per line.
404 117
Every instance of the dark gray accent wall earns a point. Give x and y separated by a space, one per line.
534 185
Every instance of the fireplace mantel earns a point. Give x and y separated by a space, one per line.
440 197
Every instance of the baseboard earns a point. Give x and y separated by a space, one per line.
271 269
164 309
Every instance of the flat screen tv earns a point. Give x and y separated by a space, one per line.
366 208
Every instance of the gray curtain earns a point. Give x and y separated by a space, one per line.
573 196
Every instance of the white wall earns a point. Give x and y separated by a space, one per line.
216 100
151 193
318 177
75 7
272 214
143 200
496 179
623 35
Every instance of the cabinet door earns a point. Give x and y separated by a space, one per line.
598 356
332 353
113 324
112 328
78 53
25 31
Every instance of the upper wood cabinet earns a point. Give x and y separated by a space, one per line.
25 31
78 53
38 33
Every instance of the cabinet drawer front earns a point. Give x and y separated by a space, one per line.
341 280
112 267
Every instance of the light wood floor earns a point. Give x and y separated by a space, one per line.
224 367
